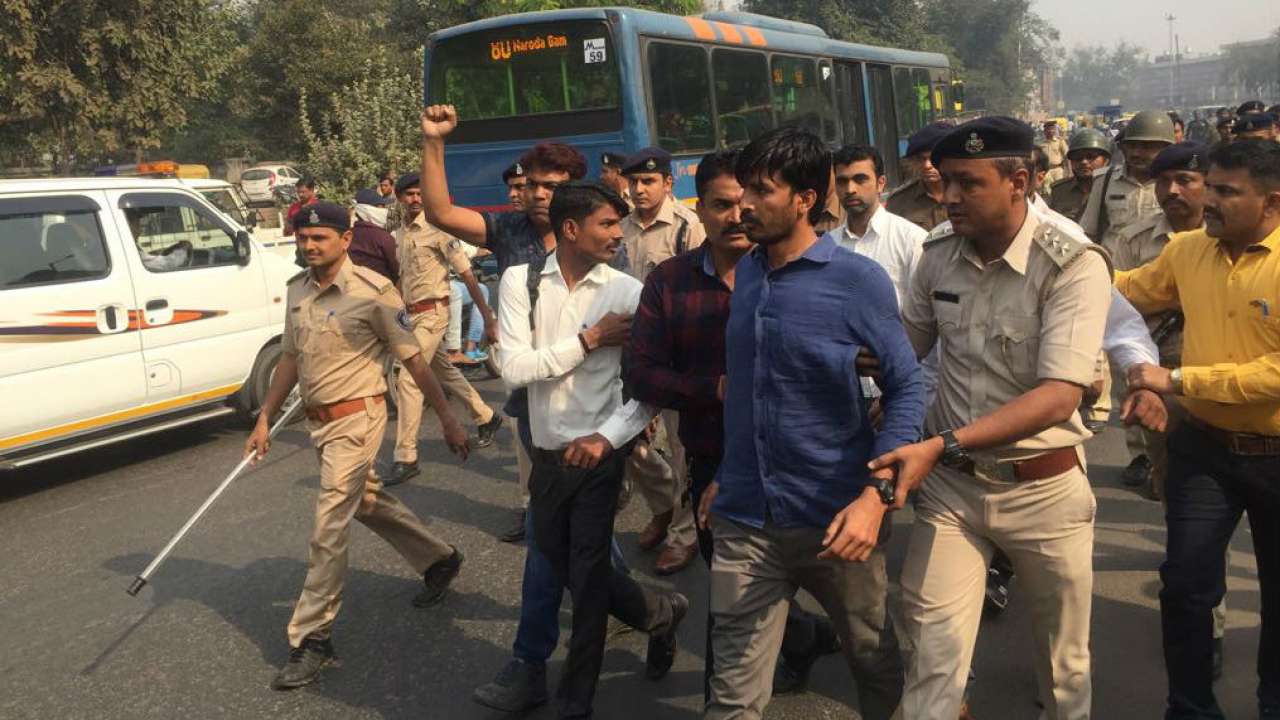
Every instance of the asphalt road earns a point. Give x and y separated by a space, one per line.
204 639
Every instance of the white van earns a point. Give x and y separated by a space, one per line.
127 306
264 224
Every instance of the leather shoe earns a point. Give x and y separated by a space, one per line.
437 579
518 687
662 645
516 532
400 472
655 532
486 432
674 558
1138 473
305 663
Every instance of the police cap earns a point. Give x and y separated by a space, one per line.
514 170
406 181
323 214
1182 156
648 160
997 136
369 196
1250 106
613 159
926 137
1253 122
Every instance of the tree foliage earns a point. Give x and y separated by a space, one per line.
1095 75
96 78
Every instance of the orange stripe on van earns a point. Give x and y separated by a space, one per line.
116 417
755 36
701 28
728 32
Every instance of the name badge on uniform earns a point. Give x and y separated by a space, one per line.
947 297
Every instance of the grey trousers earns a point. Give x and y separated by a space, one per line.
755 573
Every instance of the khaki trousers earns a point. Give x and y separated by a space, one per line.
1046 528
429 328
663 482
349 489
755 573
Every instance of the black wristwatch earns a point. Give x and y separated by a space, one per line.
887 490
953 453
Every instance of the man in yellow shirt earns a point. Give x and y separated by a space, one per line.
1224 460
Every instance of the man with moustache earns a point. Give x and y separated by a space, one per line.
920 199
792 506
1125 192
513 177
1225 456
1088 152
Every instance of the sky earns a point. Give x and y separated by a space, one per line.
1202 25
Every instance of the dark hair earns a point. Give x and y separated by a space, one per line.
712 166
1038 161
850 154
555 157
387 177
1261 158
1176 119
306 181
797 156
1249 106
577 199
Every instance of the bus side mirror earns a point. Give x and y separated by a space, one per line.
243 244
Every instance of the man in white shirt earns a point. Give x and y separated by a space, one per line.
562 334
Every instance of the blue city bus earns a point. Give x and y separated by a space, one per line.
619 79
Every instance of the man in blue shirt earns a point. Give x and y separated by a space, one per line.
794 505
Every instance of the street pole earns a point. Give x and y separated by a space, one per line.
1170 18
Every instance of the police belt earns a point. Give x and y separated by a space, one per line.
426 305
1047 465
325 414
1239 443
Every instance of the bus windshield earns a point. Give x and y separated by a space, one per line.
526 82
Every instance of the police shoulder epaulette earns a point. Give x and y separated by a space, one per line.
375 280
940 233
301 274
1063 249
1064 181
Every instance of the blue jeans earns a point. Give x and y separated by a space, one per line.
541 592
1207 490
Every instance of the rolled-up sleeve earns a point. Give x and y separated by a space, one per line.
1073 319
1126 340
917 309
391 324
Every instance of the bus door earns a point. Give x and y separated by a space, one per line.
852 102
884 122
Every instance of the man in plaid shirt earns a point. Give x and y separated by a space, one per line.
677 362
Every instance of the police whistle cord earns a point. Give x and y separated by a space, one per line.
141 579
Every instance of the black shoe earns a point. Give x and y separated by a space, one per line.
401 472
1138 474
1217 658
518 687
825 638
516 532
997 591
662 645
305 663
792 676
437 578
485 432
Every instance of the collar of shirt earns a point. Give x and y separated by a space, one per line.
875 227
708 263
598 274
340 279
819 252
1015 256
666 215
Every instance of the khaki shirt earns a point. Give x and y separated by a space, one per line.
1035 314
912 202
832 216
648 245
341 334
426 256
1126 201
1056 149
1068 197
1141 243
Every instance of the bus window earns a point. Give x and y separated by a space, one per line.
851 102
681 103
883 120
798 99
925 111
526 82
908 95
742 95
830 120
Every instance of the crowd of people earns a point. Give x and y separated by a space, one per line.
781 368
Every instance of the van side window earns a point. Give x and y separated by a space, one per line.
178 237
50 246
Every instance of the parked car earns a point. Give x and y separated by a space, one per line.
128 306
258 181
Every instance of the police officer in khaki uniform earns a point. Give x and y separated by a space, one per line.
658 228
1088 152
1123 193
426 256
611 175
342 320
920 200
1016 301
1056 148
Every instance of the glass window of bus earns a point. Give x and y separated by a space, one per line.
906 101
681 87
522 82
798 98
742 95
851 103
830 120
883 122
941 92
925 111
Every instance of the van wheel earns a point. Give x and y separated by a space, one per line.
255 390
